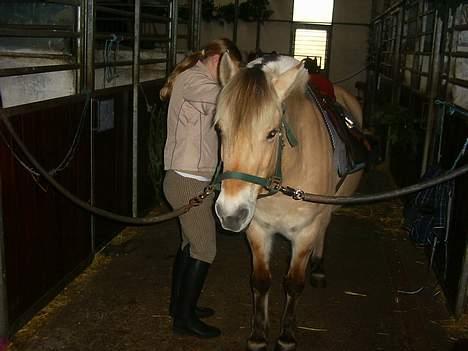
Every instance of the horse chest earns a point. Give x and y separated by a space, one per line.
285 217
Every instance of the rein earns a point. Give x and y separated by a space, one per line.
273 183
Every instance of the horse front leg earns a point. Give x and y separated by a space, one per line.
293 284
302 247
318 278
260 245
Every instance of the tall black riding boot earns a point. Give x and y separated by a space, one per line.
186 320
180 265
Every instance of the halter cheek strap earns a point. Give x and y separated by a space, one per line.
272 184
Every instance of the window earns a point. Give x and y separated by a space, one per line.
311 38
317 11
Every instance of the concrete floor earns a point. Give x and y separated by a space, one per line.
120 302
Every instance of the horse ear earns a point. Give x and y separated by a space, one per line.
284 83
227 69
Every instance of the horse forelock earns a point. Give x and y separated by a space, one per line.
276 64
246 103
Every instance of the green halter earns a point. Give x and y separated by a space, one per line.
272 184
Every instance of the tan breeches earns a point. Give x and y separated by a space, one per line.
198 226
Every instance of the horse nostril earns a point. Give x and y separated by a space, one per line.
238 217
233 221
242 214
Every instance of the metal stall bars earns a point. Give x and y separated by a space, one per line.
29 50
453 89
384 76
138 41
417 44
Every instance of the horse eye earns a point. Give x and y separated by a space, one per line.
272 133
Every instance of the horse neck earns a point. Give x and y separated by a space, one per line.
312 157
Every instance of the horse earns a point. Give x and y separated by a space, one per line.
254 106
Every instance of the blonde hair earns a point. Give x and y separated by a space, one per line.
215 47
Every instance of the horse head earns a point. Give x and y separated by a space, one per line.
249 119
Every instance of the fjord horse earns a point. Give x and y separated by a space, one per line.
255 104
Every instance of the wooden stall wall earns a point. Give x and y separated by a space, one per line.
112 163
46 237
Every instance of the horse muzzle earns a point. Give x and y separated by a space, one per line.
232 215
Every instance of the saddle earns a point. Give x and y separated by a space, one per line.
351 148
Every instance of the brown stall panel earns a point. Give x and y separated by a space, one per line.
46 237
112 162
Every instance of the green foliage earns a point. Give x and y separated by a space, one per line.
249 11
156 142
402 125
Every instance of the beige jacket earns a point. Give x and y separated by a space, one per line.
192 142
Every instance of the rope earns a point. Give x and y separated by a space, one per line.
351 76
460 155
84 205
296 194
452 108
110 57
68 156
75 143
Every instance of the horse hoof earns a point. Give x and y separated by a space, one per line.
257 345
285 345
318 280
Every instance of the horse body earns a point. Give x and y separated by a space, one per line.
250 110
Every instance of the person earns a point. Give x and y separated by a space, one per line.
190 160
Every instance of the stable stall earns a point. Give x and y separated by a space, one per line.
79 82
417 89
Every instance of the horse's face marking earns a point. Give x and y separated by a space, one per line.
252 153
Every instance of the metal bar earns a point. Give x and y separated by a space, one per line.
459 54
64 2
19 71
4 325
450 48
130 37
136 83
130 63
196 24
90 16
80 47
389 10
461 298
434 81
172 59
461 27
415 71
152 61
36 55
36 26
236 20
460 82
14 111
320 23
92 175
131 14
257 39
36 33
